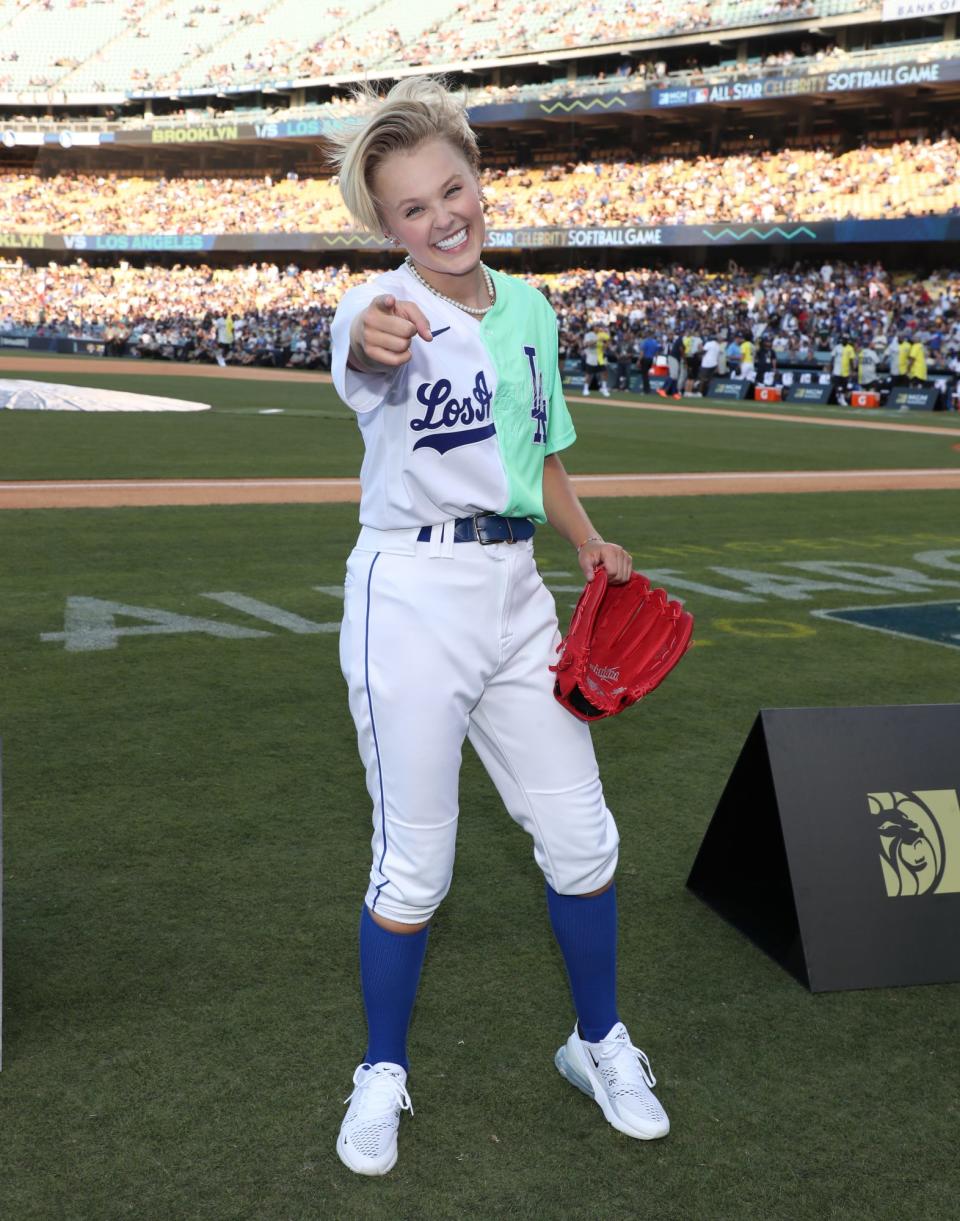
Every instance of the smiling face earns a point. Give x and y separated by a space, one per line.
429 199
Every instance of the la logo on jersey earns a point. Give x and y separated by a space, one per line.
447 415
539 409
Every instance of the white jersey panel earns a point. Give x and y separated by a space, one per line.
431 450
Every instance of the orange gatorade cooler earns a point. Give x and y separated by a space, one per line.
864 398
767 394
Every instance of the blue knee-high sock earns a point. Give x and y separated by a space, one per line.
389 973
586 931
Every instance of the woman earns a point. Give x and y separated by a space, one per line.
448 630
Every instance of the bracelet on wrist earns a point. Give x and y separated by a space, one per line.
594 538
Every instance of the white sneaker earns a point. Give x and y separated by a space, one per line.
605 392
368 1135
618 1077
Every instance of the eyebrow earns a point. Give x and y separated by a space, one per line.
403 202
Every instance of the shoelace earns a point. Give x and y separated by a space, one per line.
393 1092
611 1048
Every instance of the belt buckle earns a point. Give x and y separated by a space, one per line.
487 542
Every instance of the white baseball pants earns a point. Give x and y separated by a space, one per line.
446 641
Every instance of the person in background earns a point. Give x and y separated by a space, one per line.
676 369
843 358
618 362
693 352
868 362
709 364
225 336
804 353
766 359
593 355
734 356
917 366
624 360
903 361
747 368
722 365
648 351
603 360
892 358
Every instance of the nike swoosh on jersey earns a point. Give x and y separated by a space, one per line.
440 332
453 440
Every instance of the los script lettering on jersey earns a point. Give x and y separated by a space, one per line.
452 414
453 420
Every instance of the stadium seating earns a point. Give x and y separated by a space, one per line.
902 179
50 41
116 45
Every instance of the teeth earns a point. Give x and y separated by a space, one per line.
454 240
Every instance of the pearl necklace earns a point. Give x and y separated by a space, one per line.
476 310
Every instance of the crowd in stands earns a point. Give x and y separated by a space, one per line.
256 314
204 44
630 74
904 179
280 316
642 73
796 315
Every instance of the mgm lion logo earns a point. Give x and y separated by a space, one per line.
919 841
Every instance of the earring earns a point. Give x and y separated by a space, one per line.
391 239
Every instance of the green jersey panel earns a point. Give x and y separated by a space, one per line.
529 410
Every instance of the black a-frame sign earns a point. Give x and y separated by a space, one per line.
835 846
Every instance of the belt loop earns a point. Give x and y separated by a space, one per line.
441 540
447 538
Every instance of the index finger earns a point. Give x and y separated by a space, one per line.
413 313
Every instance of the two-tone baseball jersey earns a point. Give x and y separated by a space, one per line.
464 426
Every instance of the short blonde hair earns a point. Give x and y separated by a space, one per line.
416 109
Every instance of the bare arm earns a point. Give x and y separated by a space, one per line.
569 518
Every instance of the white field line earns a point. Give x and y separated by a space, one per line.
684 409
120 484
726 476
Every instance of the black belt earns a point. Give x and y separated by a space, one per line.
486 528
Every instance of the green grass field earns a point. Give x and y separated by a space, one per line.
314 436
186 834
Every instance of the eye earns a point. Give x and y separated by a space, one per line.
453 190
411 211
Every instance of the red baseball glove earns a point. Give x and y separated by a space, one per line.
623 641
